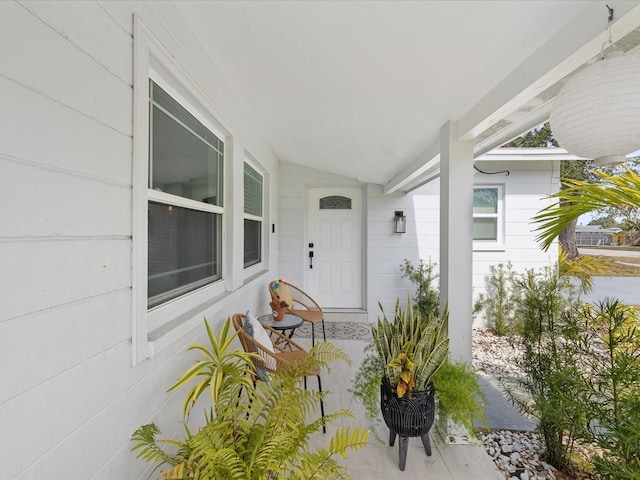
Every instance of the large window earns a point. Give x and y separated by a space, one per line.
185 200
487 213
253 217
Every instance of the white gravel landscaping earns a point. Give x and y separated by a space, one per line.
516 453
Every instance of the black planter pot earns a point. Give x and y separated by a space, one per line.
408 417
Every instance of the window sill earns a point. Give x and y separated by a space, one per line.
497 247
169 332
163 336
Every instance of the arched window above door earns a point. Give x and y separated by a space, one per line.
335 202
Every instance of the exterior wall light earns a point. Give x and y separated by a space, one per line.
399 222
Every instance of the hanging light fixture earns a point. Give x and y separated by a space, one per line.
597 112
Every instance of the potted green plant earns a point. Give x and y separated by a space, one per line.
252 430
404 367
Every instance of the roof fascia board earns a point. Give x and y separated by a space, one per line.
514 130
501 155
527 154
431 176
429 158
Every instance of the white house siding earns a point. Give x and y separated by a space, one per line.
387 250
294 182
525 190
69 396
384 249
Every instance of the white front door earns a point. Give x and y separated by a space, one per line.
334 237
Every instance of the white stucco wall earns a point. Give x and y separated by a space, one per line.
69 396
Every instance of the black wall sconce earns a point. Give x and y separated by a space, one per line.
399 222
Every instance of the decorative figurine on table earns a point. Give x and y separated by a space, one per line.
279 308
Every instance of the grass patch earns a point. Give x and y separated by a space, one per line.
621 266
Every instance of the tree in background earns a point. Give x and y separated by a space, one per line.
539 137
571 170
618 214
542 137
619 191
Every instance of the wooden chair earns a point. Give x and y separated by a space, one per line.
300 304
285 355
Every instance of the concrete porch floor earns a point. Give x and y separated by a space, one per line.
380 461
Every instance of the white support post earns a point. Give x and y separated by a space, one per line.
456 239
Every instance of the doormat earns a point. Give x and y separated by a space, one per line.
337 331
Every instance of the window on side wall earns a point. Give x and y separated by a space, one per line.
253 216
488 224
184 200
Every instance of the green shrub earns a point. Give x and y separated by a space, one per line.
609 340
581 367
427 297
460 397
552 378
501 298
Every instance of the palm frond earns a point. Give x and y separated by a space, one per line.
578 198
583 268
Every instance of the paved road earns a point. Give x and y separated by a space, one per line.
609 252
625 289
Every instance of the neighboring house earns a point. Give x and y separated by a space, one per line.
594 235
106 272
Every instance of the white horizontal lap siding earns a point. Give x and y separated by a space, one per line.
56 137
103 39
65 155
94 423
386 250
526 189
45 273
60 70
89 325
63 204
70 399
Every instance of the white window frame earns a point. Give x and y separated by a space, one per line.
498 244
150 326
185 202
259 266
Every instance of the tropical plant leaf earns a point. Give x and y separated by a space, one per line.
262 433
580 197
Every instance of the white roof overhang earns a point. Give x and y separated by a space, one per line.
362 88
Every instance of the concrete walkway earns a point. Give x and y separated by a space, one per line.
500 411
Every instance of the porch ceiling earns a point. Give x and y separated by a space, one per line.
362 88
